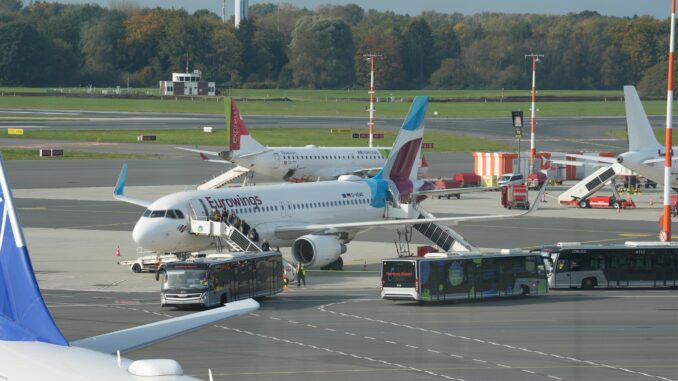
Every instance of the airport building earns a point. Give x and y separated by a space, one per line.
187 84
240 11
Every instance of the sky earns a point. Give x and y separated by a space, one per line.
621 8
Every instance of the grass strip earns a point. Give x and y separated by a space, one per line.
32 154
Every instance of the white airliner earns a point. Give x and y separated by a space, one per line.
645 155
33 348
288 163
316 219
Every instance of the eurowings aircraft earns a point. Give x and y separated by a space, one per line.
33 348
645 155
287 163
316 219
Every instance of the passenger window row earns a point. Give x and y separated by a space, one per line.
330 157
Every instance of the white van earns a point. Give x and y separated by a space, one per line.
510 179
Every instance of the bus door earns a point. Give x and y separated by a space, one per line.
562 275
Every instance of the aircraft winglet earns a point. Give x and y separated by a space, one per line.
119 190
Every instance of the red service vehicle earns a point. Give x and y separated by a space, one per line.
448 184
423 250
467 179
515 196
535 180
602 202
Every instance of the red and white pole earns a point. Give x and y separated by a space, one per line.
666 225
533 150
372 56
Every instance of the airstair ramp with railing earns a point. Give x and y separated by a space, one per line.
233 238
591 184
225 178
443 236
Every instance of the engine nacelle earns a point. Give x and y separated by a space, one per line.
317 250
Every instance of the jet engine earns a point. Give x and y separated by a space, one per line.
317 250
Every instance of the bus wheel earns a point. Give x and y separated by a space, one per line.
136 268
524 290
588 283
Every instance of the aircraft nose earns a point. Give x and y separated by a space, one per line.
142 234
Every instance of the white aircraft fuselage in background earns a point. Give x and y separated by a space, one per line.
289 163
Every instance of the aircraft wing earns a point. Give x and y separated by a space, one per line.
139 337
203 153
445 192
604 159
119 190
293 231
369 172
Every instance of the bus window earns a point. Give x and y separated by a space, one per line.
563 265
399 274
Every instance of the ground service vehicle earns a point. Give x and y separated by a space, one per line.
515 197
510 179
210 282
535 180
633 264
447 277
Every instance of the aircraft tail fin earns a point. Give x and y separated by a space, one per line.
239 137
641 135
23 313
402 164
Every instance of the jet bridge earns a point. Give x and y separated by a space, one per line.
581 191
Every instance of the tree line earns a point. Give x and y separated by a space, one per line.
283 46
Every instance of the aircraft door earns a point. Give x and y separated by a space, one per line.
199 209
285 209
276 160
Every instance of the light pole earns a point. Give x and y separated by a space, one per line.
371 57
517 120
535 59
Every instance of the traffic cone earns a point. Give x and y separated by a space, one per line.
117 251
365 266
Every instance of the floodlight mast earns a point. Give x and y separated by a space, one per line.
371 57
533 151
665 234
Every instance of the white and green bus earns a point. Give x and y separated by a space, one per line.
439 277
632 264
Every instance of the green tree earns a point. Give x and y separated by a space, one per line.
99 45
321 53
24 56
388 67
417 52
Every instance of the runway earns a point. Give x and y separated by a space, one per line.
553 133
337 328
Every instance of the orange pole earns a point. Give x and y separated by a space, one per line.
666 219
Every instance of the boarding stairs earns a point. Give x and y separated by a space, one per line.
226 177
593 183
232 238
443 236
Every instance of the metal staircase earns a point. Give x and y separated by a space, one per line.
232 238
225 178
592 184
443 236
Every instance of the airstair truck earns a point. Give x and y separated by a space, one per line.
580 194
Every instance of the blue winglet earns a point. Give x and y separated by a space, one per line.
120 185
23 313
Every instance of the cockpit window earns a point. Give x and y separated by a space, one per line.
170 214
158 213
147 213
178 213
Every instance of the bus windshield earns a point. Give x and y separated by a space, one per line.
399 274
193 280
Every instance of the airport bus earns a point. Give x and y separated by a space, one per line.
632 264
440 277
209 282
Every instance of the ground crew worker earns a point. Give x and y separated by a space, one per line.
254 235
265 246
224 215
301 274
245 228
214 215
